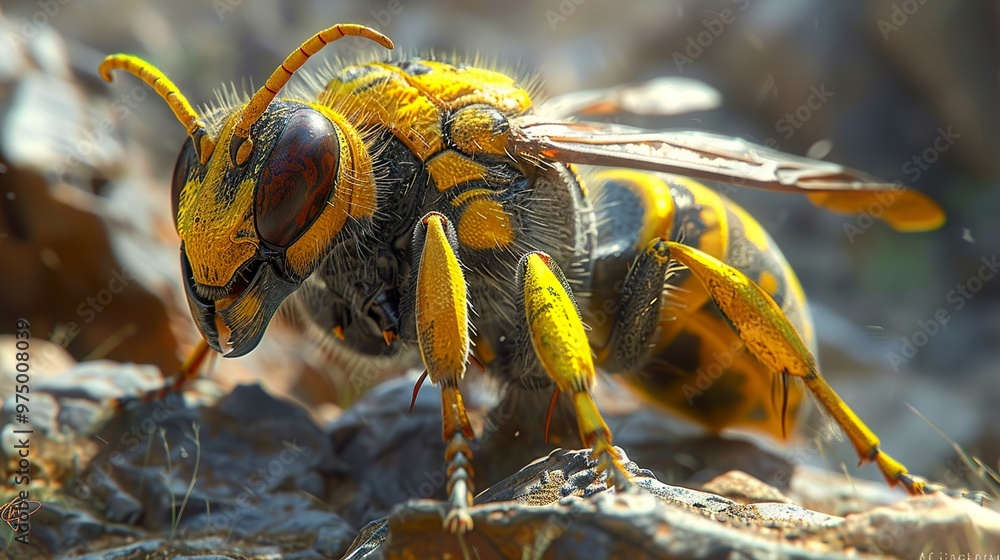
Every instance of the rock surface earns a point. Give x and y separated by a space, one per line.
252 476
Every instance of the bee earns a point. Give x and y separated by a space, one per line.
423 204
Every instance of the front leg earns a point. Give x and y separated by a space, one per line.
443 336
552 337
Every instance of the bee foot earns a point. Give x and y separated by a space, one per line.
916 485
458 520
608 461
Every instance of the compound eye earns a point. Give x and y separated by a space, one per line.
298 178
187 162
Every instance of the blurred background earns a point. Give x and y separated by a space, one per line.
904 89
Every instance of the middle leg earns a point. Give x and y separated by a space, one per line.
551 338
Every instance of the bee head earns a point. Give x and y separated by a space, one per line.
259 202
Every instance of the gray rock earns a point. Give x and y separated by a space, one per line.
559 507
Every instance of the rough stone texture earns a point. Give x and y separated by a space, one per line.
66 407
743 488
247 471
558 508
262 479
368 440
922 525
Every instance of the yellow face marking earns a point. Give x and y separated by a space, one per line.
485 225
450 168
556 329
217 238
442 306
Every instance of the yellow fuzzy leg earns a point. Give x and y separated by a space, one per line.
561 345
771 338
443 337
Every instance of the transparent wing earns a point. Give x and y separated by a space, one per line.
661 96
714 157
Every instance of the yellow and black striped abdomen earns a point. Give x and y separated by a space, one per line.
699 368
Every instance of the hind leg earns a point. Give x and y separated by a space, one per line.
769 335
693 365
